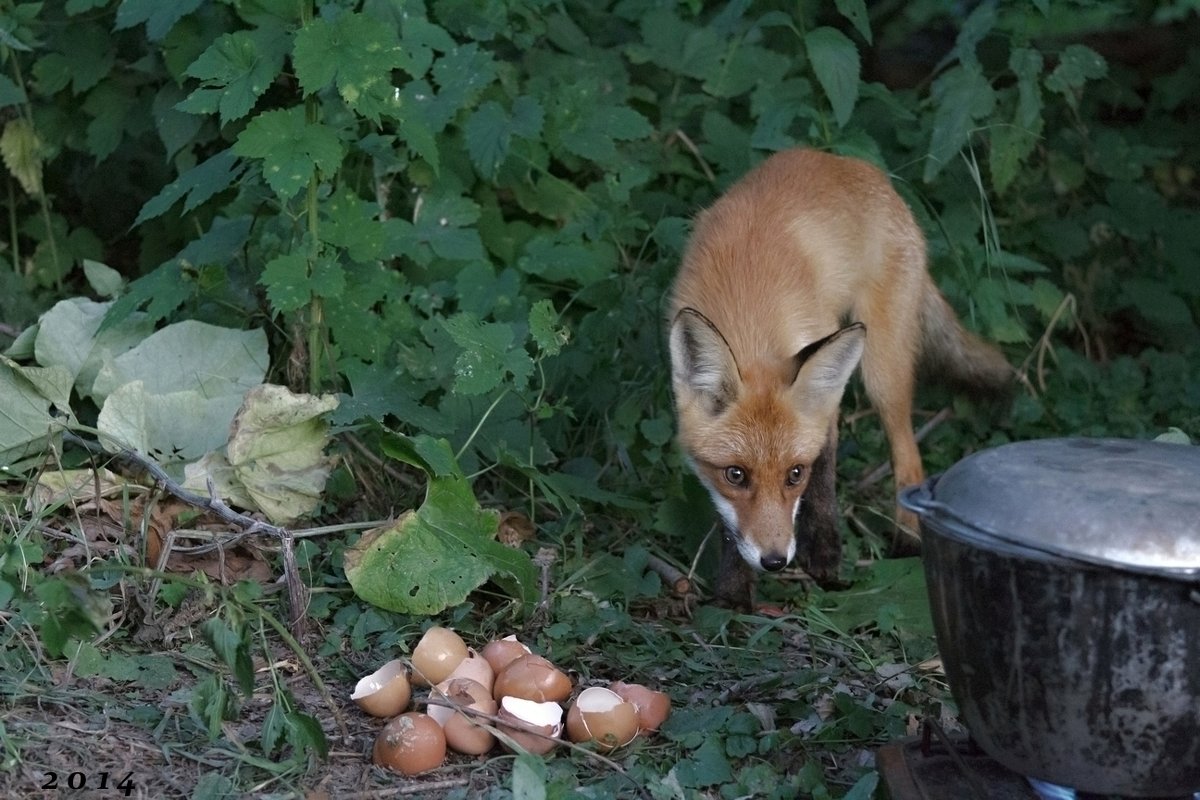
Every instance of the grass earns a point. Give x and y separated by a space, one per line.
139 682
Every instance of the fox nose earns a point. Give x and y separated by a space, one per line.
773 563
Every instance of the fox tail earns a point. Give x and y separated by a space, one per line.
953 355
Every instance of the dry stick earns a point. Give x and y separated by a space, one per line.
883 470
674 576
408 788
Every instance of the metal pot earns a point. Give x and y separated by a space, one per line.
1064 579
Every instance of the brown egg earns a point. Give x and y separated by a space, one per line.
525 716
385 692
475 667
501 651
436 655
410 744
652 707
463 733
534 678
600 715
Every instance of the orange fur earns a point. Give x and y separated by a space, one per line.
801 245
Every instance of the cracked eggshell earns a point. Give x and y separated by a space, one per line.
502 651
385 692
410 744
528 715
653 707
436 655
475 667
464 734
600 715
531 677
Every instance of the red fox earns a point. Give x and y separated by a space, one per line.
808 264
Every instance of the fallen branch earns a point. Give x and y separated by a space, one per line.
674 577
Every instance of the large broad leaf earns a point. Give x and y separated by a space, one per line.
961 95
175 394
25 419
69 336
433 557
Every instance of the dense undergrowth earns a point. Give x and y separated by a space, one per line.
460 218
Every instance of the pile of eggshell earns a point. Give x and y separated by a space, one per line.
504 680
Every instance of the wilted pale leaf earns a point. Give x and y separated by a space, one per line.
226 484
21 150
276 448
56 487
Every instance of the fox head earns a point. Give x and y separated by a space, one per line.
752 431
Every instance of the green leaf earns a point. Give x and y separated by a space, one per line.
594 132
856 12
352 224
234 72
160 17
109 105
462 74
104 280
545 330
10 93
490 129
961 95
168 286
287 281
198 184
528 777
835 62
432 558
353 52
488 355
233 649
291 148
1076 66
1012 144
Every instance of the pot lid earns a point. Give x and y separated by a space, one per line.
1116 502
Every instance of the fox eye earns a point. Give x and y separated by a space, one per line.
794 475
737 476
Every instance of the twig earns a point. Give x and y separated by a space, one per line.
695 151
679 582
413 787
212 503
883 470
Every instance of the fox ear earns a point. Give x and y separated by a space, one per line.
701 360
824 367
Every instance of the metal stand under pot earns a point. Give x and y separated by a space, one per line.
1064 581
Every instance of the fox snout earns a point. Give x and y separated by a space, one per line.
764 553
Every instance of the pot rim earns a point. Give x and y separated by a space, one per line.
948 522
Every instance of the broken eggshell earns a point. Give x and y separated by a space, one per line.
600 715
385 692
463 734
476 668
653 707
436 655
500 652
531 677
525 716
410 744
